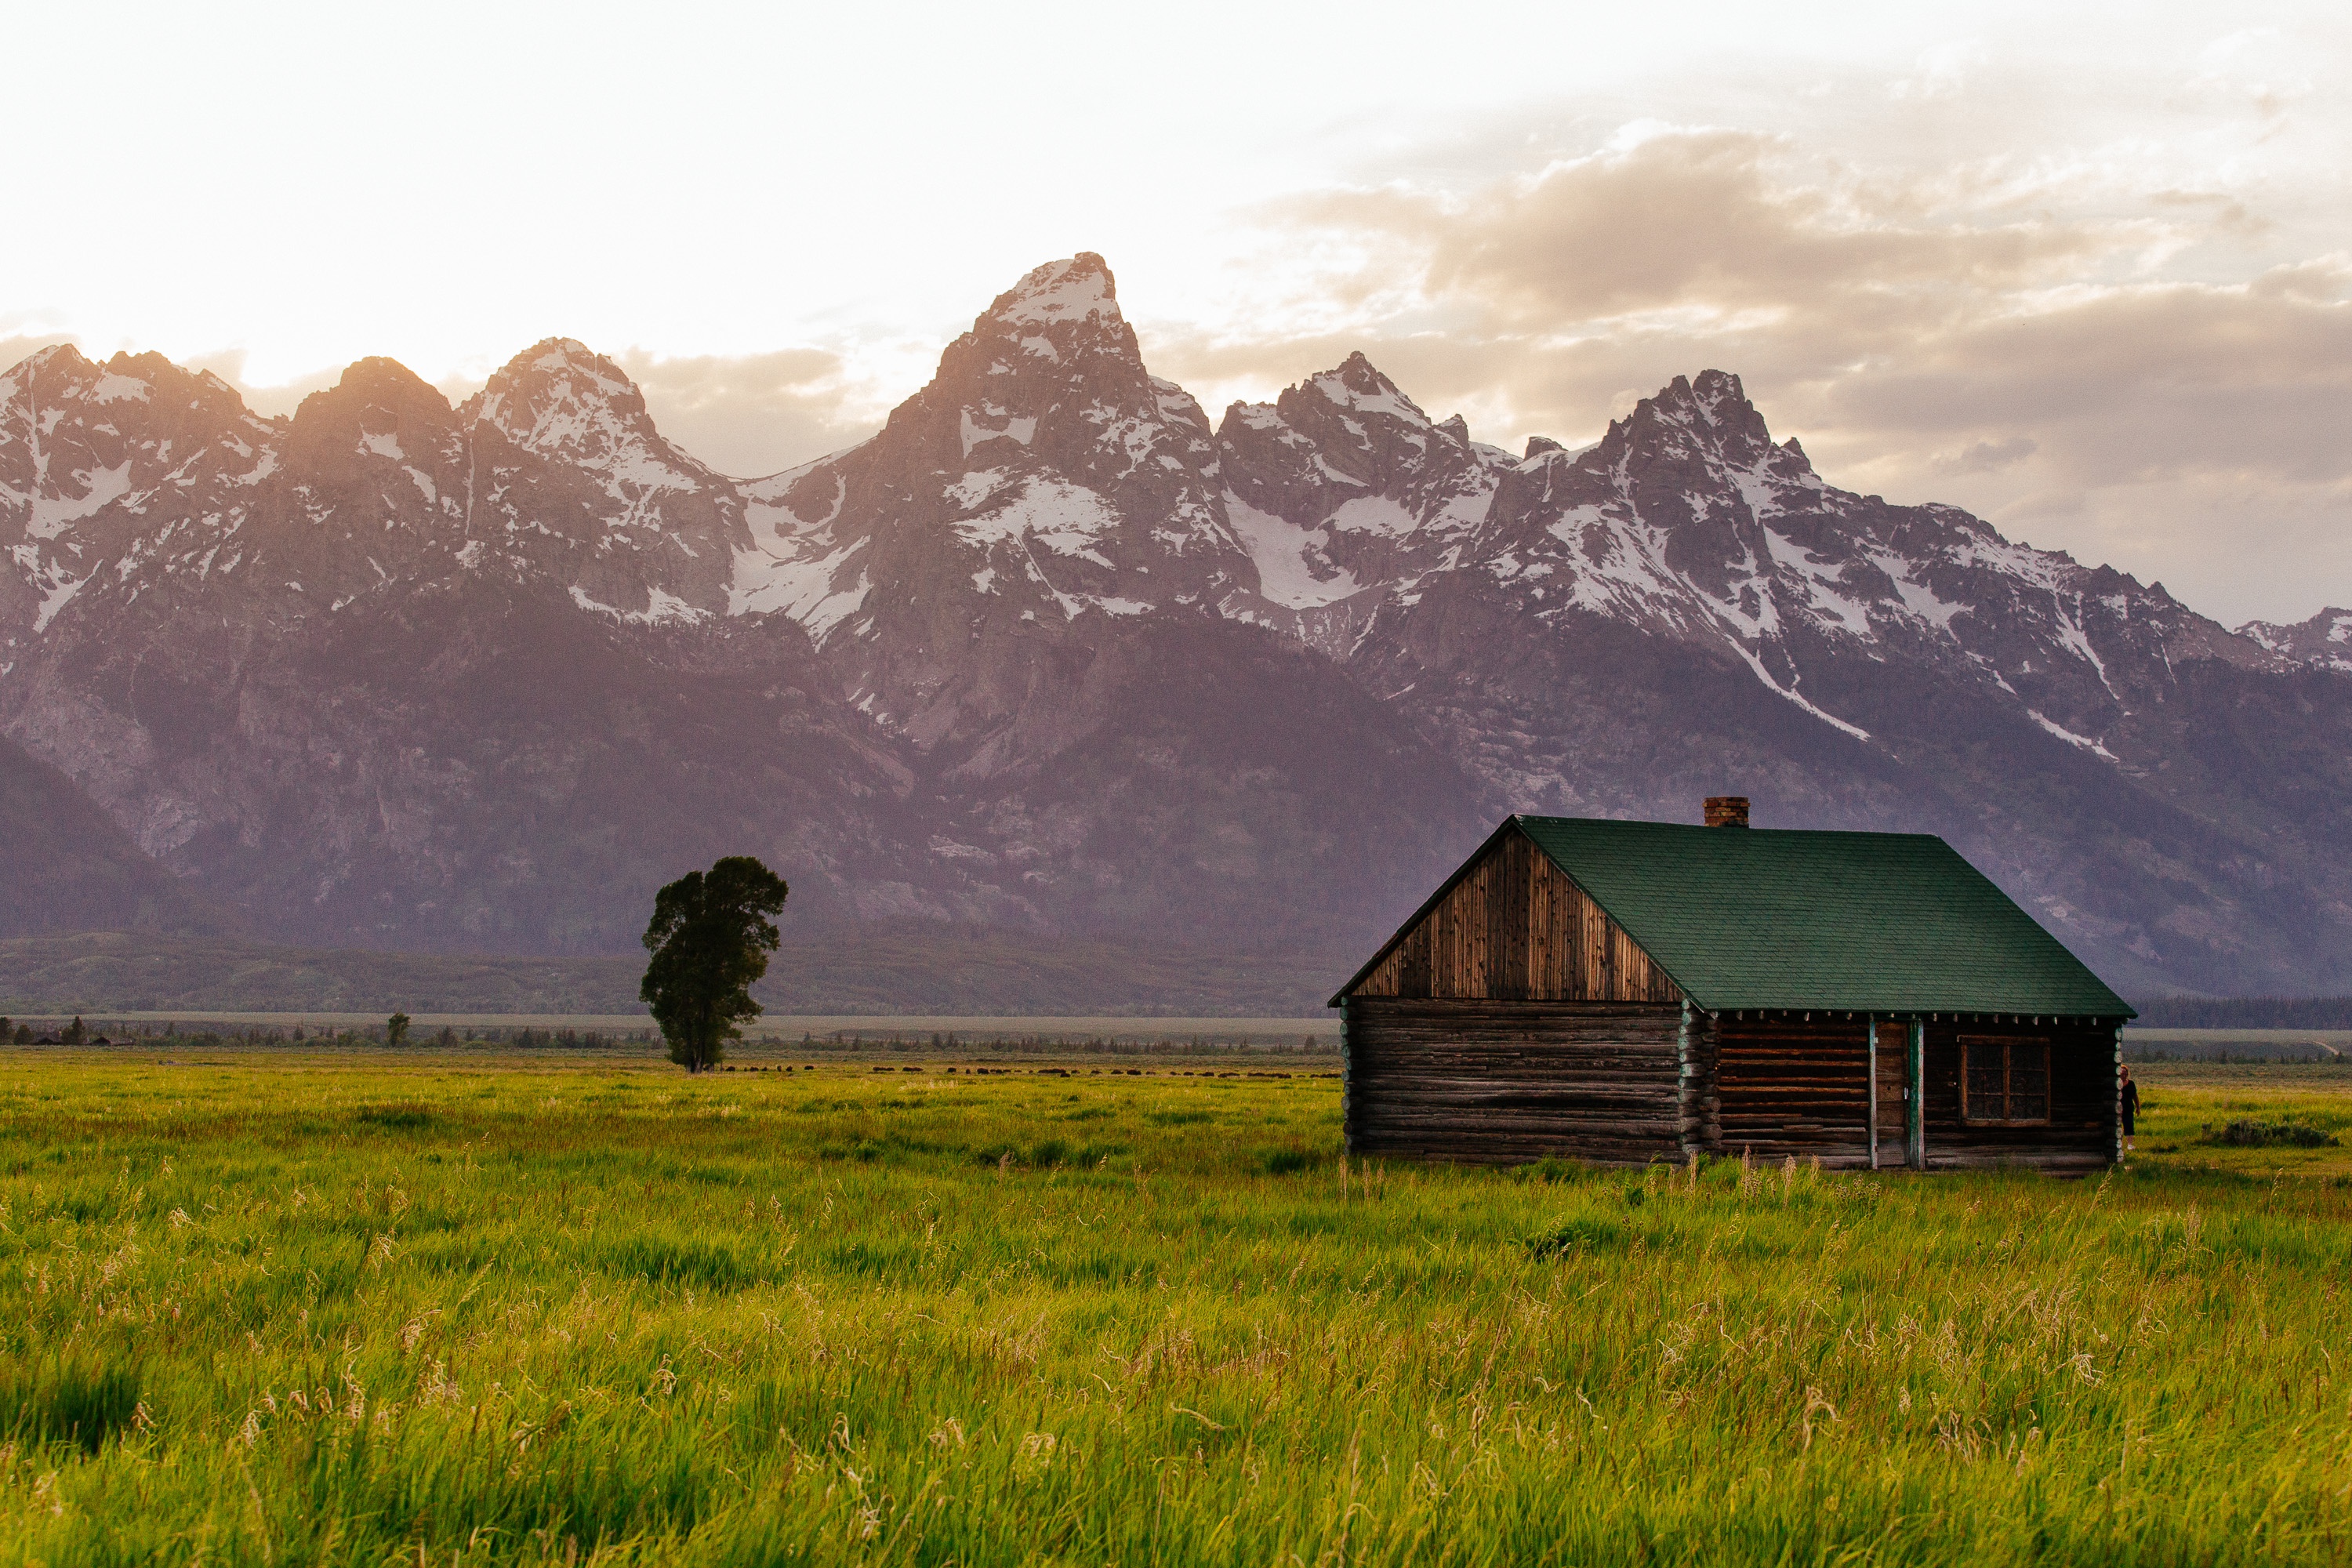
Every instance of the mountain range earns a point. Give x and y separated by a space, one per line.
1055 653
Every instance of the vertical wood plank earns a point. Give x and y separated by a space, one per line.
1539 945
1516 927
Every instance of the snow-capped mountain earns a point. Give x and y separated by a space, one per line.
1043 479
1050 649
1686 521
2324 640
133 470
568 479
1345 491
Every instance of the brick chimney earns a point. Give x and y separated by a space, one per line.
1726 811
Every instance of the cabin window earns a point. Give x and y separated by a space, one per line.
2004 1080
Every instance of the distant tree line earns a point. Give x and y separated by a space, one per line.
2245 1012
199 1034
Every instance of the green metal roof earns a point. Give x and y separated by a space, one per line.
1882 922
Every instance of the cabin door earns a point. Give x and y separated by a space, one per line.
1892 1060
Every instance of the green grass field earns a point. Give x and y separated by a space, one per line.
287 1309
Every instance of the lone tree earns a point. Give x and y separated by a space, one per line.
395 1030
710 937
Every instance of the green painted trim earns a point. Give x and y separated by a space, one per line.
1915 1101
1870 1065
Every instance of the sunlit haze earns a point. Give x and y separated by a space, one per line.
2083 270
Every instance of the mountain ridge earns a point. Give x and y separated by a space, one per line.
1050 649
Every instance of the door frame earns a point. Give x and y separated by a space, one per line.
1914 1074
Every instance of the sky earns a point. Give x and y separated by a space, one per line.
2085 270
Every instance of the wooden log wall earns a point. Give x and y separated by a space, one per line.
1791 1085
1499 1083
1516 928
2080 1134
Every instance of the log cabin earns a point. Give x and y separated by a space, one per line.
1625 992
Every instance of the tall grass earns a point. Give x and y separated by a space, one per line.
309 1311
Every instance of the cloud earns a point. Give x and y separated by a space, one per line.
1698 220
2017 340
752 413
1986 457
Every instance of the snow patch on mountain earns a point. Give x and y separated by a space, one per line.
1293 566
60 590
1756 666
1374 515
49 516
1066 518
112 387
2083 741
1918 598
662 607
1824 584
805 587
975 487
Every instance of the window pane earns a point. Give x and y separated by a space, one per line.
2028 1083
1984 1070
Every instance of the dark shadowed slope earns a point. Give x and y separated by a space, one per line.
65 866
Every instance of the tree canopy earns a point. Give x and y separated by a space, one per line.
710 937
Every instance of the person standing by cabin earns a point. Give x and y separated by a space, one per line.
2131 1107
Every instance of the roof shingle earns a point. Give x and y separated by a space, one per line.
1773 918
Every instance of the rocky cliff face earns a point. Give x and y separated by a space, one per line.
1050 651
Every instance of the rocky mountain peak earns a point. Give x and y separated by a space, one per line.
95 456
1079 288
1048 371
148 383
64 356
1709 420
370 409
1043 481
573 483
560 398
1358 385
2324 640
1059 327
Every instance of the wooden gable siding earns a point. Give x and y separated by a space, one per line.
1515 929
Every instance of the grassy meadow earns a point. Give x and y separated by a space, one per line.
276 1309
